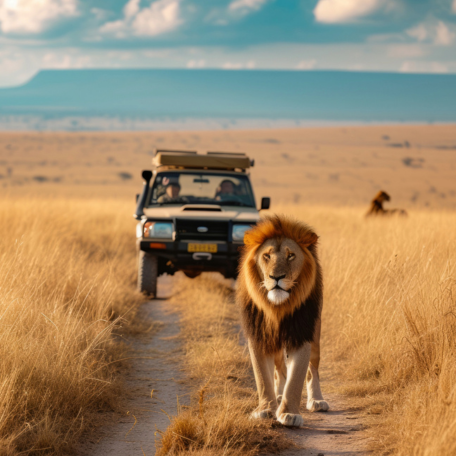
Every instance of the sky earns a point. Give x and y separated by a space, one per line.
358 35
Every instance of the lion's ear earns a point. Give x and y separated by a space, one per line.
310 239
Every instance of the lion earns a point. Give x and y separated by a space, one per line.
376 207
280 293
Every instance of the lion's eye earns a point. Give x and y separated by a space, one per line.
266 257
291 256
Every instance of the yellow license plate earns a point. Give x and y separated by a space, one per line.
212 248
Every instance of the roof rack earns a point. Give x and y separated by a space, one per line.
234 154
233 161
175 152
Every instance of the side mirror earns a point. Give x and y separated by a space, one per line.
137 197
141 201
265 203
146 175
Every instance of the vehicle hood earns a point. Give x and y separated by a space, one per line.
234 213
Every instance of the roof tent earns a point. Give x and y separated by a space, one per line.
193 160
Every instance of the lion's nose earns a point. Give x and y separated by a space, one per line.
277 278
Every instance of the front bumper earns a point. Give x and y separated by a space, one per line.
174 256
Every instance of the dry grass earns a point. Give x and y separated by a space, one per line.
67 273
331 166
390 317
389 325
218 421
389 329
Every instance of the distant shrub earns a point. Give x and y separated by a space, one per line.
413 162
40 178
125 176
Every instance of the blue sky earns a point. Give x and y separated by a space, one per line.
361 35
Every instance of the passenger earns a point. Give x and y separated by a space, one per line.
172 193
225 189
227 192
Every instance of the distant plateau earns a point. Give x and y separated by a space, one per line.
209 99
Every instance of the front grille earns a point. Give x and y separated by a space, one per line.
187 230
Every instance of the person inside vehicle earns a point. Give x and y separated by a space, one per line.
226 191
171 193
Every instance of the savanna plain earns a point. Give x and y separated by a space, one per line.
68 301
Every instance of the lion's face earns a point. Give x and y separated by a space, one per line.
382 196
279 264
279 267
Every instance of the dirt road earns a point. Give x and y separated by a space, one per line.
339 432
154 386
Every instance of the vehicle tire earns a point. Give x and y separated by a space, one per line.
147 273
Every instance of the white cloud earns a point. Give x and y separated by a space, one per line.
420 32
117 28
454 6
340 11
244 7
100 14
34 16
306 64
235 11
65 61
232 66
443 36
131 9
250 65
423 67
156 53
433 31
162 16
159 17
409 50
196 63
18 63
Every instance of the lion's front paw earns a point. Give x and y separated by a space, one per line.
317 406
290 419
262 414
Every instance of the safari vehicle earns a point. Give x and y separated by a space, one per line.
192 214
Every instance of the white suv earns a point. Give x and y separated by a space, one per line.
192 214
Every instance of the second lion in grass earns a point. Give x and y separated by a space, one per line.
280 292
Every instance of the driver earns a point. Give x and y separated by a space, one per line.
171 193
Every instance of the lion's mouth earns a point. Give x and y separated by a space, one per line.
277 295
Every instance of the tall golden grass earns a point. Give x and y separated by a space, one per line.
389 320
67 271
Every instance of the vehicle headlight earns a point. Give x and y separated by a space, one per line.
239 231
161 230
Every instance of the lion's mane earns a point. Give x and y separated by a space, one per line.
291 324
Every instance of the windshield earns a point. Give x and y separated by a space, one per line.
196 188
